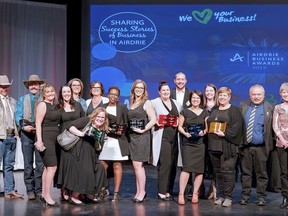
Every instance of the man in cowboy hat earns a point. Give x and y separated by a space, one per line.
25 119
8 131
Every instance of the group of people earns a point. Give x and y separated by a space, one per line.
203 133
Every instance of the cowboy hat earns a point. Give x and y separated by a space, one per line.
33 78
4 81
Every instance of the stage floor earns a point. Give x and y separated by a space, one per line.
125 207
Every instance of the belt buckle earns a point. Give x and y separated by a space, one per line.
10 131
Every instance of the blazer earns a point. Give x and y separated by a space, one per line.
186 103
268 129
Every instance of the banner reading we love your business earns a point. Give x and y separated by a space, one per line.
228 45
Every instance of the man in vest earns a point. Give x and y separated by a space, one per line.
8 141
25 119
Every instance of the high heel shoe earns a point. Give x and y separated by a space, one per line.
165 198
64 196
195 199
212 192
43 201
115 197
140 201
75 203
181 200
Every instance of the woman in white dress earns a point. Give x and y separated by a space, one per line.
116 147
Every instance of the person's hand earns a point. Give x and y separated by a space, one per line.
284 143
138 130
39 145
220 133
29 128
82 134
187 135
202 133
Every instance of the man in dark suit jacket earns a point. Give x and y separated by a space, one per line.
255 153
181 93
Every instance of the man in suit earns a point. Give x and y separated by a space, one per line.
8 133
181 93
25 110
258 142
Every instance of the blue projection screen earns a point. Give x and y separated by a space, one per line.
228 45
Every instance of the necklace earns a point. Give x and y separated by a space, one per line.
218 115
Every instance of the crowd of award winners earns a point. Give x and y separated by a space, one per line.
199 131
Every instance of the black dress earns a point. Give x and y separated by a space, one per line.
193 151
68 158
139 145
85 175
50 131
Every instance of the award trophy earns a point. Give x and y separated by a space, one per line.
98 135
137 123
168 120
194 131
117 129
217 126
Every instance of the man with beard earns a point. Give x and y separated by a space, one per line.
181 93
25 119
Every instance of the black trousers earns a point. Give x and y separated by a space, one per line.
225 174
254 157
167 166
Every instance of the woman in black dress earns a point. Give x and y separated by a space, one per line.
142 118
70 110
193 127
86 175
47 129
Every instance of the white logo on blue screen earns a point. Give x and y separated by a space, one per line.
236 58
127 32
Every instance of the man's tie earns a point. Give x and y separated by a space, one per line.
250 125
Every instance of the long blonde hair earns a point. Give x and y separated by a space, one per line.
144 96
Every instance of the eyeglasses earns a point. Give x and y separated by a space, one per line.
76 85
96 88
140 88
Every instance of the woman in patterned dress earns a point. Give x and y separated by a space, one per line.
142 118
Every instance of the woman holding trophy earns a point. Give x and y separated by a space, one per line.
192 126
224 136
142 118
